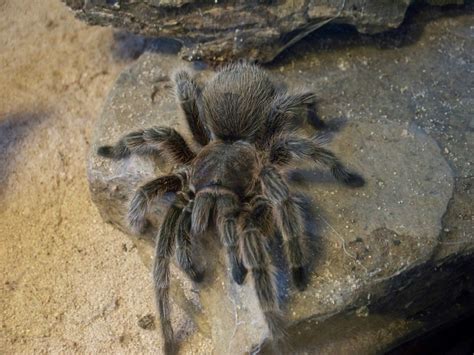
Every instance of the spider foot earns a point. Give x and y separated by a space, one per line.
317 122
195 275
354 180
106 151
300 277
238 273
170 347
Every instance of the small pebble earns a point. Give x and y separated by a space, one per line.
147 322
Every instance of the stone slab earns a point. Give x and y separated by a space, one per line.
363 237
227 30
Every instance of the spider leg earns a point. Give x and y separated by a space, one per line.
184 245
286 148
227 209
161 270
291 104
203 208
289 219
189 93
257 260
146 194
286 111
313 118
151 141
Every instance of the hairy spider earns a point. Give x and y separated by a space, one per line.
245 126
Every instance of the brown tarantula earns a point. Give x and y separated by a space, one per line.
245 126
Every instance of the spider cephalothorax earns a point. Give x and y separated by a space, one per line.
245 126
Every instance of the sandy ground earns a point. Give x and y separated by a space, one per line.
69 282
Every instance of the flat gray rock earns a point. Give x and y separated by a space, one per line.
222 30
364 236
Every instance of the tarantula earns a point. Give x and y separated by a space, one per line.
244 124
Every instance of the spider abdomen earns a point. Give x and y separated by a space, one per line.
236 102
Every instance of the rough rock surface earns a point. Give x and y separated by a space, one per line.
381 249
223 30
